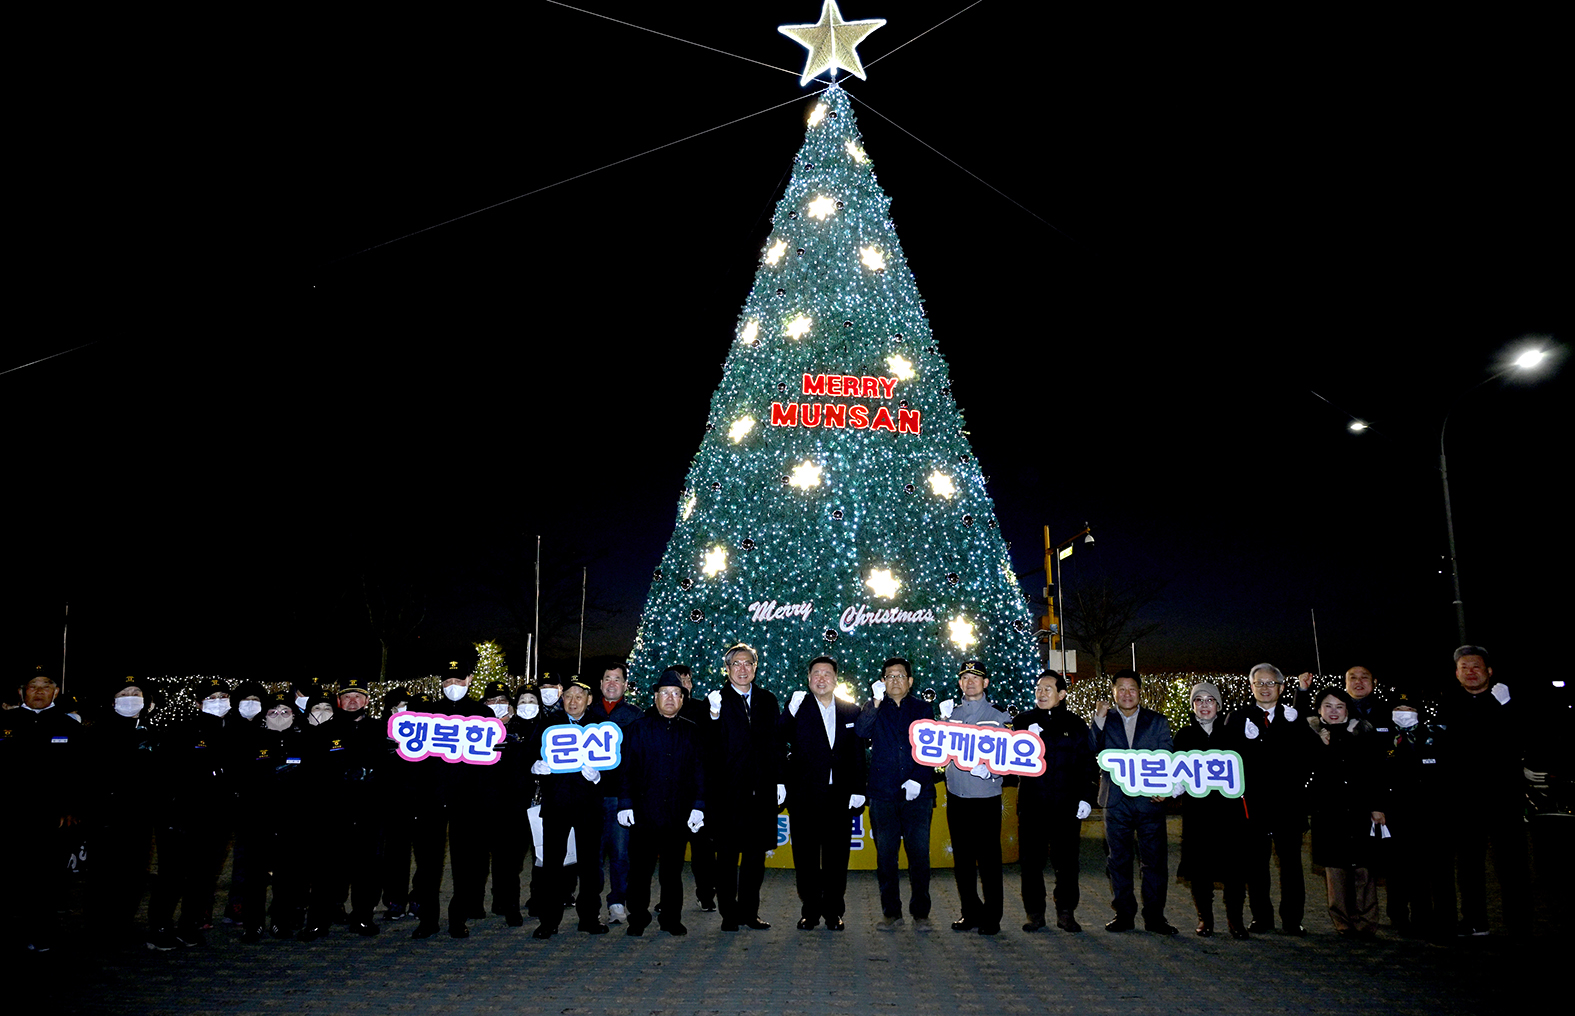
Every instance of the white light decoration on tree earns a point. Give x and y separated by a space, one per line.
775 253
856 153
741 426
941 485
751 332
799 327
805 475
872 257
689 505
817 114
883 583
715 561
831 42
822 207
962 635
901 367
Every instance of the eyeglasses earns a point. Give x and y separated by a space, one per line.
1264 684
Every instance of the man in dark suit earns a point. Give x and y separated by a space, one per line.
826 784
1276 748
1132 726
744 755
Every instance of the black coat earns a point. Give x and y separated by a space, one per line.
891 753
1275 764
1347 786
1071 774
743 767
663 775
814 764
1212 826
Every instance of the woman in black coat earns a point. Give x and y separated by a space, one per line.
1212 826
1346 797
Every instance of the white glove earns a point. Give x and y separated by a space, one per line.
1179 789
715 700
878 689
781 793
1035 728
696 820
591 774
626 817
1290 712
540 767
1501 693
982 771
911 789
1251 729
946 709
796 701
1083 810
856 802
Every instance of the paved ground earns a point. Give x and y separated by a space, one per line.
783 970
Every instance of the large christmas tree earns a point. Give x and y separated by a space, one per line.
835 506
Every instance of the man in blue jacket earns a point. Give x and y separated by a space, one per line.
901 793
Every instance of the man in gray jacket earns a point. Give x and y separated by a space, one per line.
973 810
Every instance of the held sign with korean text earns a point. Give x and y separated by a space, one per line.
472 739
1004 752
1141 772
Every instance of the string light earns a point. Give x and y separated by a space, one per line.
901 367
775 253
962 635
882 583
817 114
799 327
741 426
751 332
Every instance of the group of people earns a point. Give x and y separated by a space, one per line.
709 774
1382 787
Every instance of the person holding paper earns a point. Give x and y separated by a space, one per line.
1051 808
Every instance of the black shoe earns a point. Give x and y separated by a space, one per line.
1236 930
595 927
989 929
1034 923
1260 927
251 935
834 924
457 929
1066 922
543 932
807 923
312 932
675 928
757 924
707 906
281 931
364 928
1297 931
1159 926
339 917
514 918
1121 924
964 924
425 929
190 938
395 912
1205 928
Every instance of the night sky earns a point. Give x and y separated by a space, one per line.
1144 240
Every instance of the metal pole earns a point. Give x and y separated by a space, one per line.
536 624
1134 657
64 628
584 577
1317 656
1449 526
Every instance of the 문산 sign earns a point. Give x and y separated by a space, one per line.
569 748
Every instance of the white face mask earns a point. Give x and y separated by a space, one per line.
319 716
279 722
128 706
248 709
530 710
216 706
1405 719
454 692
499 710
300 703
549 696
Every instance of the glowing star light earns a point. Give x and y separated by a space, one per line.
799 327
741 426
750 333
900 367
817 114
962 635
805 475
822 207
689 506
883 584
941 484
872 258
831 42
856 153
775 253
715 560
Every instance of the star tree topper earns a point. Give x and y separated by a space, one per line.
830 42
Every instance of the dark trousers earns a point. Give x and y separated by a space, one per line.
702 860
740 870
121 848
586 821
615 847
191 851
905 823
1126 818
1420 876
1041 836
467 856
352 869
429 842
1283 839
649 844
1506 834
975 827
398 831
280 849
510 842
821 827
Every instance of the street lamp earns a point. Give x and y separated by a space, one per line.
1053 558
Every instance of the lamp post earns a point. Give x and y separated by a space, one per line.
1053 558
